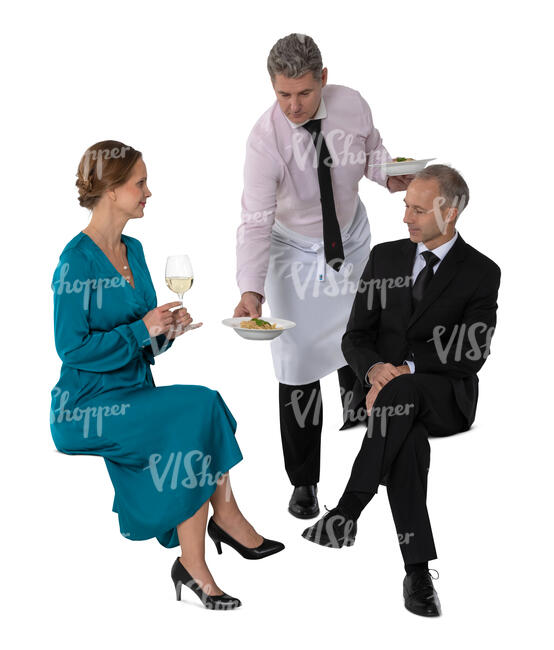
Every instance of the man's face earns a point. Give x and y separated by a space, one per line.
425 214
299 98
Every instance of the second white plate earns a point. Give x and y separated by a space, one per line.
406 167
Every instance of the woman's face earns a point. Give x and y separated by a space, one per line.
131 197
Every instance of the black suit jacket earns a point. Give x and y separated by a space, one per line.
448 332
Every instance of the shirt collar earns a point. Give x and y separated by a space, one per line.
319 114
440 251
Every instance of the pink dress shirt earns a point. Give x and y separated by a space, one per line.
280 176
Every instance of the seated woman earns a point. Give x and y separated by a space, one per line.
168 449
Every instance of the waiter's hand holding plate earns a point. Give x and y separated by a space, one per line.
250 305
401 166
401 170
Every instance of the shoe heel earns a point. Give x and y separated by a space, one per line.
178 586
218 546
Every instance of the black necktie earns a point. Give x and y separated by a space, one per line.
332 241
425 276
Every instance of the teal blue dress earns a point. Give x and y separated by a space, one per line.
164 446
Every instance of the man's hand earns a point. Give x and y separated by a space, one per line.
399 183
250 305
370 398
379 376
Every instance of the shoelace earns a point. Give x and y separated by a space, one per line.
421 581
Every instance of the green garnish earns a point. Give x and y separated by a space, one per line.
260 322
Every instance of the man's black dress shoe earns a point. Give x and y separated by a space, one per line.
420 596
335 529
303 502
266 548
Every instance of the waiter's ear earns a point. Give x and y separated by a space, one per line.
323 77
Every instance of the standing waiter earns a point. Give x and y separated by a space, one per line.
304 240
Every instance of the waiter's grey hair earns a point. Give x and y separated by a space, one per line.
293 56
452 186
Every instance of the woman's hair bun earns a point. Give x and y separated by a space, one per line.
104 166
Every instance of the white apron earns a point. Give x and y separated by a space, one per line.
301 287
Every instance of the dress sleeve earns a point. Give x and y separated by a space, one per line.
77 345
375 151
158 344
259 202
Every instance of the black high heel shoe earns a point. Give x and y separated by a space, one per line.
266 548
182 577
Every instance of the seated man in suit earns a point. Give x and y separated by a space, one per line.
419 331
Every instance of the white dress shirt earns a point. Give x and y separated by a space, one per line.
281 182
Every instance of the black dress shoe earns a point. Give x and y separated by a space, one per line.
420 596
335 529
303 502
267 547
181 576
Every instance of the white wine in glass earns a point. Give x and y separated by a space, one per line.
178 274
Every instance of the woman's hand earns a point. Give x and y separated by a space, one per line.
161 319
181 323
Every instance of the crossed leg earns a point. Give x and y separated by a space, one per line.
407 409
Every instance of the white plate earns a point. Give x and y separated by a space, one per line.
406 167
259 335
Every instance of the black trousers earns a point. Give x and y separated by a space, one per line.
407 410
301 418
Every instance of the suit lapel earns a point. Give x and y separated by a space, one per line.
442 278
404 269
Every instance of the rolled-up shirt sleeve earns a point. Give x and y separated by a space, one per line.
259 202
376 153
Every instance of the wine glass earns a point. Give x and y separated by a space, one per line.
179 278
178 274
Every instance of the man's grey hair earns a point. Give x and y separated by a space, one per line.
451 185
293 56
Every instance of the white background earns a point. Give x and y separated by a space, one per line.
184 83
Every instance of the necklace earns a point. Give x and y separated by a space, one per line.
123 260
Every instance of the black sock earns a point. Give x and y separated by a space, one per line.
419 566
